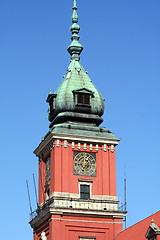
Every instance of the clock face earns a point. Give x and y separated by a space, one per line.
85 164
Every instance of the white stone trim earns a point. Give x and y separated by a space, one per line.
65 143
74 138
43 236
94 197
112 148
85 180
96 147
87 237
78 212
47 149
58 143
85 221
73 201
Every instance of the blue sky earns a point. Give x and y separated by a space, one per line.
122 56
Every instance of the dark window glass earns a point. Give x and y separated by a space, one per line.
82 195
48 170
85 192
86 99
87 196
51 105
82 188
83 99
80 98
47 192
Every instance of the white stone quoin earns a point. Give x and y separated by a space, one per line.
43 236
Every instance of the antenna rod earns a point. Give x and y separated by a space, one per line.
125 198
29 196
41 184
125 202
35 189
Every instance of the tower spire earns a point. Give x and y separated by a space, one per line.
75 47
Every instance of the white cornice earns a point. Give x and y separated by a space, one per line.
74 138
45 214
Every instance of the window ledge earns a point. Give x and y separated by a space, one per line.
85 180
83 105
87 237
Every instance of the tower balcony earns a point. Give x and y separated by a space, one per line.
71 203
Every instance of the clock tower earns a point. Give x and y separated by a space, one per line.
77 171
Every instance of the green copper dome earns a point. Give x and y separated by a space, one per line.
76 100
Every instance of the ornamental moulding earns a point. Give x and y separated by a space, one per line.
80 142
80 146
46 150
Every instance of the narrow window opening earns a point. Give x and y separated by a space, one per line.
47 193
51 100
48 170
51 105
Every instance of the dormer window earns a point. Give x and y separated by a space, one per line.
51 100
83 97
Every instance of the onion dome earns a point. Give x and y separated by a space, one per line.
76 100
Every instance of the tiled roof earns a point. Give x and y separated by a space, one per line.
138 230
